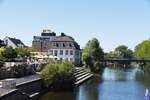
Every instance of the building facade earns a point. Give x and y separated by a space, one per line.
41 43
13 42
61 47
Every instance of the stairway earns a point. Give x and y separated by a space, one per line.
81 76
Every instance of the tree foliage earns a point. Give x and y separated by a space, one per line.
92 53
58 74
9 53
2 58
121 51
24 52
124 52
142 50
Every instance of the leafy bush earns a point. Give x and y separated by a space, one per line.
16 71
21 70
58 76
2 58
24 52
9 53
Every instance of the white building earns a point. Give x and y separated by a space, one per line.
57 47
13 42
65 48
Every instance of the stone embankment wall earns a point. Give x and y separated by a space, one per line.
28 89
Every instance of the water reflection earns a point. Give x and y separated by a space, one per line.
143 78
117 84
89 90
114 74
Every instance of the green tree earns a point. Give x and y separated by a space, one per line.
9 53
30 49
110 54
2 58
142 50
24 52
92 53
122 51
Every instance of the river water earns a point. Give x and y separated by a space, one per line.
116 84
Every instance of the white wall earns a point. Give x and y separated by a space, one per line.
9 43
64 56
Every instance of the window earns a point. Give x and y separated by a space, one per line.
55 54
71 52
66 52
70 45
61 52
51 52
63 44
57 45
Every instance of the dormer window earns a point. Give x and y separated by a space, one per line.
63 45
70 45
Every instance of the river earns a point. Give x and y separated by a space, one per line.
116 84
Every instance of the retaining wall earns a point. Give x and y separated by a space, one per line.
24 90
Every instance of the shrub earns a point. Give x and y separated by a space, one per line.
21 70
58 76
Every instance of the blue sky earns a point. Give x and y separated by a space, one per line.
113 22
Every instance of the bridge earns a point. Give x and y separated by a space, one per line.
125 60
